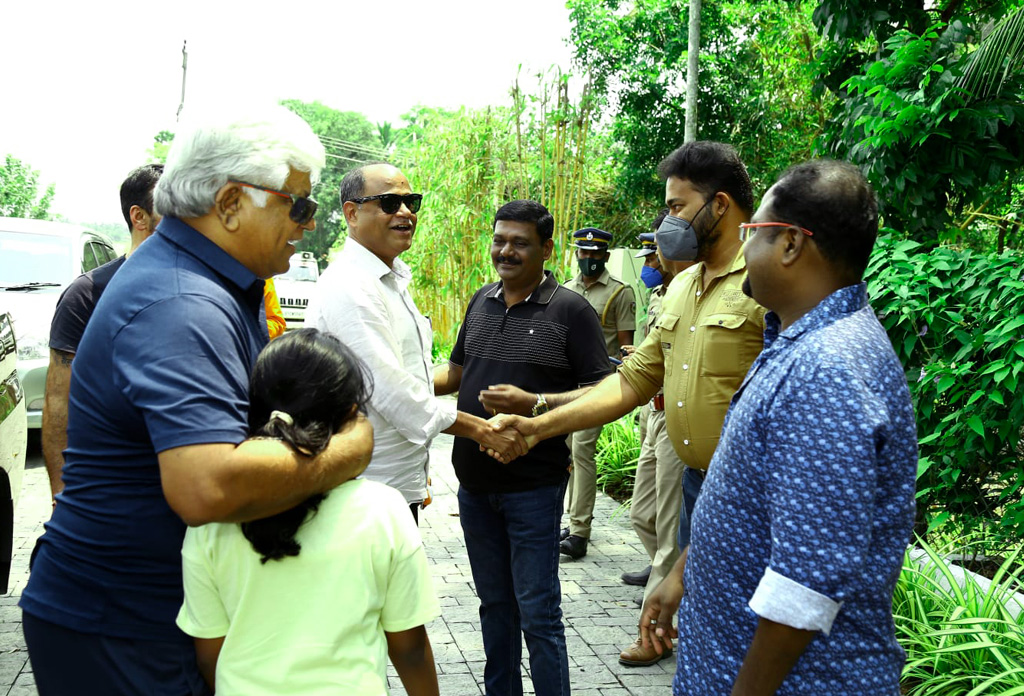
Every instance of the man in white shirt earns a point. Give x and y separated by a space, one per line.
363 298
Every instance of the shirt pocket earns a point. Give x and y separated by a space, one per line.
666 325
722 347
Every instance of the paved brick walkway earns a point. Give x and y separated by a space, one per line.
600 616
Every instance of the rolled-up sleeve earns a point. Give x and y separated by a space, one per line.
645 369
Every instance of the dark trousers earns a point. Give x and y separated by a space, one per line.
70 663
512 541
693 481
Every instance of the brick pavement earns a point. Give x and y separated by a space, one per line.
600 616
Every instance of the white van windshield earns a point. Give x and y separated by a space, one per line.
33 258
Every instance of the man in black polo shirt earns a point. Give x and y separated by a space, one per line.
528 331
74 309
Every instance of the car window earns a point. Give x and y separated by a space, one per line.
35 258
104 253
88 258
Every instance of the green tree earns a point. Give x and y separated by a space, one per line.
932 117
19 191
161 145
757 70
351 140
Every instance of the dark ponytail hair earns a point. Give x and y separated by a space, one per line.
319 385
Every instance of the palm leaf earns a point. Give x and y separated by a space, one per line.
999 55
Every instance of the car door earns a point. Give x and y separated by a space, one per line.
13 434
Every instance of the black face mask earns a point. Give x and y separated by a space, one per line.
591 268
677 238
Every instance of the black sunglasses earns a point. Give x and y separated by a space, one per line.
303 209
391 202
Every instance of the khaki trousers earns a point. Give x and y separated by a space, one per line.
582 490
657 496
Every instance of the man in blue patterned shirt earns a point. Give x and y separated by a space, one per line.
799 533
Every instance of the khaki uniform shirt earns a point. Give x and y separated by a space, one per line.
619 315
700 349
654 309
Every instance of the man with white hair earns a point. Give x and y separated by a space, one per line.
157 419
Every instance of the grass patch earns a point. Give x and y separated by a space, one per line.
618 449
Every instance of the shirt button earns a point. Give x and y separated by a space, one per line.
686 367
686 442
692 329
679 404
698 293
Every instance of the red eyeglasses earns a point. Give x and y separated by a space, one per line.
303 207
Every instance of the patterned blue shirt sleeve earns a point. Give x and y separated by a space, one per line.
823 431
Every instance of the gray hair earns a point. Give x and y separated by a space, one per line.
259 147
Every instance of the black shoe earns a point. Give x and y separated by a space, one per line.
573 546
639 578
564 534
639 601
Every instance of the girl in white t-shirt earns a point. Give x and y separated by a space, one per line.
312 600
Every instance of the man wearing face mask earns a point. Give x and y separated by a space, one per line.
615 304
657 491
706 338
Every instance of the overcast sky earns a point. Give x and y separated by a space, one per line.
88 84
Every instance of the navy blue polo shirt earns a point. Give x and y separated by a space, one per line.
164 362
551 342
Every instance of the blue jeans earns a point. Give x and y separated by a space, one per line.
512 541
693 479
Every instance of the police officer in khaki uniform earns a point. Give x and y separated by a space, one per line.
615 304
657 491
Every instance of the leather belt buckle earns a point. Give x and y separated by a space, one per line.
658 402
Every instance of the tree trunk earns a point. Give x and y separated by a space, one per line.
692 52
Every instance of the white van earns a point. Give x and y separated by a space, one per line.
38 259
295 288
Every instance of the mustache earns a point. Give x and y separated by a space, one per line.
506 259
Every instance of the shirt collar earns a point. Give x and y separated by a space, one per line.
604 278
843 301
369 261
739 263
203 249
541 295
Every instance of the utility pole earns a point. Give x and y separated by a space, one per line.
184 69
692 55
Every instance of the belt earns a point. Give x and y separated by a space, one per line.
658 402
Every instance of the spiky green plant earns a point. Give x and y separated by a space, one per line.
959 638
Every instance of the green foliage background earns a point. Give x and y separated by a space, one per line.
956 322
19 191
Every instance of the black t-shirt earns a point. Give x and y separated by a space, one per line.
76 304
550 343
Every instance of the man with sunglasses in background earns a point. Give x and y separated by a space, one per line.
363 298
157 417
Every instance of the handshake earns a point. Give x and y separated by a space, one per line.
510 433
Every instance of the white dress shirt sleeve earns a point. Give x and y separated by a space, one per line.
360 318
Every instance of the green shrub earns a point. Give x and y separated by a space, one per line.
618 449
959 639
956 320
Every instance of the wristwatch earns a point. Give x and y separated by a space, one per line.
540 407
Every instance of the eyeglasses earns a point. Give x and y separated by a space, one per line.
391 202
303 208
745 228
